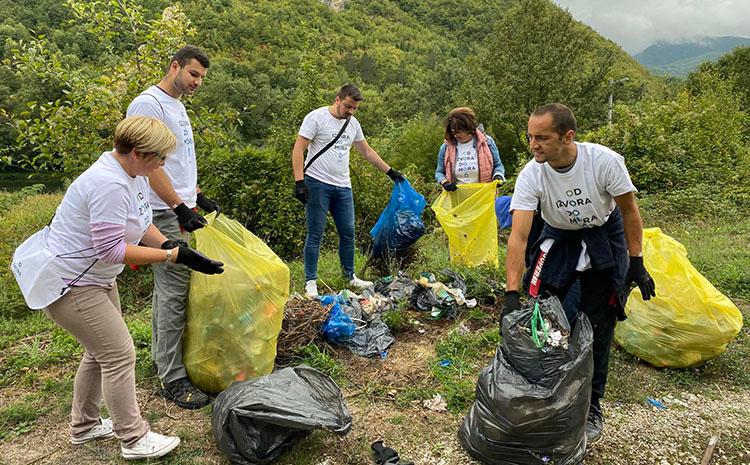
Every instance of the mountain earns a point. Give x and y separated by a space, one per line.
679 59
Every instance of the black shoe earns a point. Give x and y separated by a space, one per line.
594 426
184 394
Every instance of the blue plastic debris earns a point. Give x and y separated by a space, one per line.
338 327
445 363
656 403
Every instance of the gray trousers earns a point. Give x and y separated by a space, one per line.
92 315
171 286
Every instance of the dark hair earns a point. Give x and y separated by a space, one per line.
349 90
460 119
563 119
189 52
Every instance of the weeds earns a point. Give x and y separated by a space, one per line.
321 360
459 360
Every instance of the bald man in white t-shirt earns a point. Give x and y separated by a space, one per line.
592 233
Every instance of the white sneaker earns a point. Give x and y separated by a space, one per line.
359 283
101 431
311 289
150 446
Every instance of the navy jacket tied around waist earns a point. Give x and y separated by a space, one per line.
605 245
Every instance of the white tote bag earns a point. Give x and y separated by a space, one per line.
36 272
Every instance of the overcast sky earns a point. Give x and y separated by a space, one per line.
636 24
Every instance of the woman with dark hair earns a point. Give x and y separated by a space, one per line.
468 155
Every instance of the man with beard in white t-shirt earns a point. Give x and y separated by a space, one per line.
174 196
592 232
322 179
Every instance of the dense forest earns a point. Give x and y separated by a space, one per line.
69 70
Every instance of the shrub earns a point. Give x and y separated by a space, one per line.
415 143
696 138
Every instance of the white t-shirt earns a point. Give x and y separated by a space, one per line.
466 169
104 193
332 167
180 165
580 198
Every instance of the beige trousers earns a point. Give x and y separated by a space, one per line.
92 315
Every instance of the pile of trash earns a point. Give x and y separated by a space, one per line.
355 320
533 399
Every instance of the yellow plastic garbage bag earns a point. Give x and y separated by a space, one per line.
467 216
233 319
688 322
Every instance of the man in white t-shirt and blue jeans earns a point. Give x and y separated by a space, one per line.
174 196
323 184
592 232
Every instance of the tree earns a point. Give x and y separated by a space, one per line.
733 67
69 132
538 54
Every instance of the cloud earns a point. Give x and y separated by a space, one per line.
636 24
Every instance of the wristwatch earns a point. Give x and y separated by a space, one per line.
169 256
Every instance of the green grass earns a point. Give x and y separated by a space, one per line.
717 239
322 360
38 359
459 359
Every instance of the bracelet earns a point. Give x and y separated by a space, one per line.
169 256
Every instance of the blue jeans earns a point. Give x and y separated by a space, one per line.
321 198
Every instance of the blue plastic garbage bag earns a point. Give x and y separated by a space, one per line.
400 224
338 327
502 210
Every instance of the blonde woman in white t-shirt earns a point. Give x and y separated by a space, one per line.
103 222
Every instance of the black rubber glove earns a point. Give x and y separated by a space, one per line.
171 244
207 205
300 191
512 302
386 456
395 176
198 262
497 177
449 186
637 274
189 220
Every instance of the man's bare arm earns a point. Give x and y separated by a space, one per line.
160 183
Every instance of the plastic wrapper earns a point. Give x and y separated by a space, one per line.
468 218
400 224
234 318
255 421
688 322
515 421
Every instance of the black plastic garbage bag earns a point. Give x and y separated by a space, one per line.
399 288
373 339
538 366
255 421
515 421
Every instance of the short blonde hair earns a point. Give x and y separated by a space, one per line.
147 135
